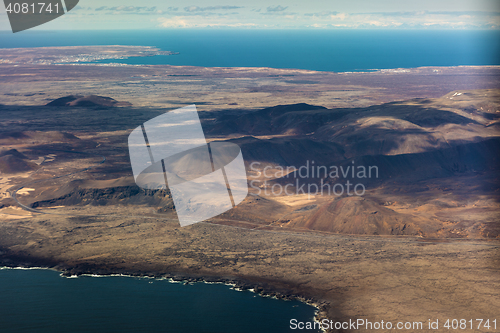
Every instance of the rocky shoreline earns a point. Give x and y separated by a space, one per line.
262 289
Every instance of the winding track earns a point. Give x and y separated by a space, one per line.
33 210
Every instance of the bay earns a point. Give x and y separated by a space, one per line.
37 300
322 50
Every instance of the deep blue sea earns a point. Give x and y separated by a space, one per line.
323 50
41 301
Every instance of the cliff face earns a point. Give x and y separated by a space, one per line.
121 195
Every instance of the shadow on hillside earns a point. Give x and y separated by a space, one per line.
303 118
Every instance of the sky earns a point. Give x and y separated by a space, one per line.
293 14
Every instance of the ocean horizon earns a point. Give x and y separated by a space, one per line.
320 50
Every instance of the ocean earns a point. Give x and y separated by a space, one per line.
42 301
321 50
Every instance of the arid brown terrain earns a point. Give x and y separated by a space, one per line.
421 243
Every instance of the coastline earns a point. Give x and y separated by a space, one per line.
94 55
231 88
349 273
236 284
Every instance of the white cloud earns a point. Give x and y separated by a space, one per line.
209 8
417 19
174 22
203 22
278 8
129 10
126 14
